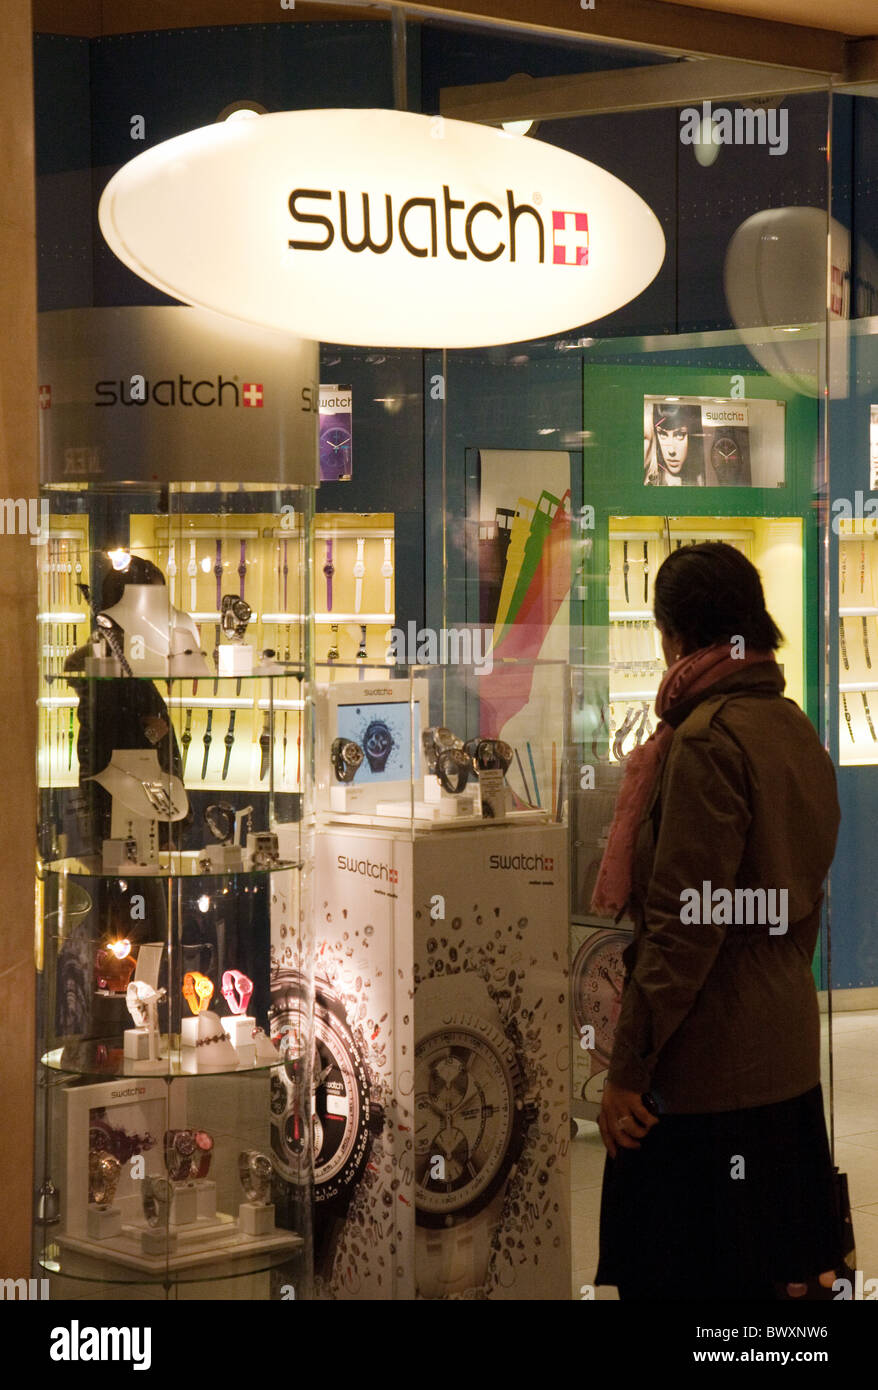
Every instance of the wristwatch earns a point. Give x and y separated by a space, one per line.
140 998
359 571
179 1153
339 441
446 758
242 567
332 652
192 571
186 739
472 1117
377 744
235 614
361 649
103 1175
387 572
265 745
488 753
329 571
725 455
156 1201
347 757
220 821
229 741
207 740
197 990
202 1155
346 1110
218 573
254 1170
236 990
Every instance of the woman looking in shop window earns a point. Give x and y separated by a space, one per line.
718 1179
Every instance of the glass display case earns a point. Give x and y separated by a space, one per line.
173 888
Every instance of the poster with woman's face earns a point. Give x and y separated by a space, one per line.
691 441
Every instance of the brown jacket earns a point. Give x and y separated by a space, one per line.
722 1014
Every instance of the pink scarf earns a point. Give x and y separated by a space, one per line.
687 677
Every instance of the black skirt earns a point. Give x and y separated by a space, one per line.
722 1206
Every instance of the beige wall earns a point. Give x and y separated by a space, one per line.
18 478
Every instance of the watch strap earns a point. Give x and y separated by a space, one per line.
229 741
207 740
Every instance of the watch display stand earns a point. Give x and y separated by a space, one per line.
103 1222
449 803
432 957
235 659
495 797
239 1030
207 1044
158 1242
141 1045
256 1218
150 746
205 1192
184 1204
159 640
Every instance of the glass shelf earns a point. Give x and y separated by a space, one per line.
83 1059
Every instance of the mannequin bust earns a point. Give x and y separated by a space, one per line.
135 596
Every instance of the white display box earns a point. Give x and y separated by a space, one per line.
103 1222
256 1218
235 660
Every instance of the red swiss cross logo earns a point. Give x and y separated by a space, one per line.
45 397
836 302
252 393
570 238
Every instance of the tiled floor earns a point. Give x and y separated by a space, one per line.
855 1076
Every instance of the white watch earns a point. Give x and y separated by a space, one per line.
192 571
172 569
359 571
387 571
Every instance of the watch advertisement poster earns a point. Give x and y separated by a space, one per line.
360 1077
492 1064
336 428
693 441
873 448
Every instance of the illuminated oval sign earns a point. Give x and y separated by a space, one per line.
382 228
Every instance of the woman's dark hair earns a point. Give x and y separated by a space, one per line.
711 593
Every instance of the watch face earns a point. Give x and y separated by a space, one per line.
725 456
377 743
343 1116
464 1114
597 977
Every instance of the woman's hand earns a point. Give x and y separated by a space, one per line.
623 1119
